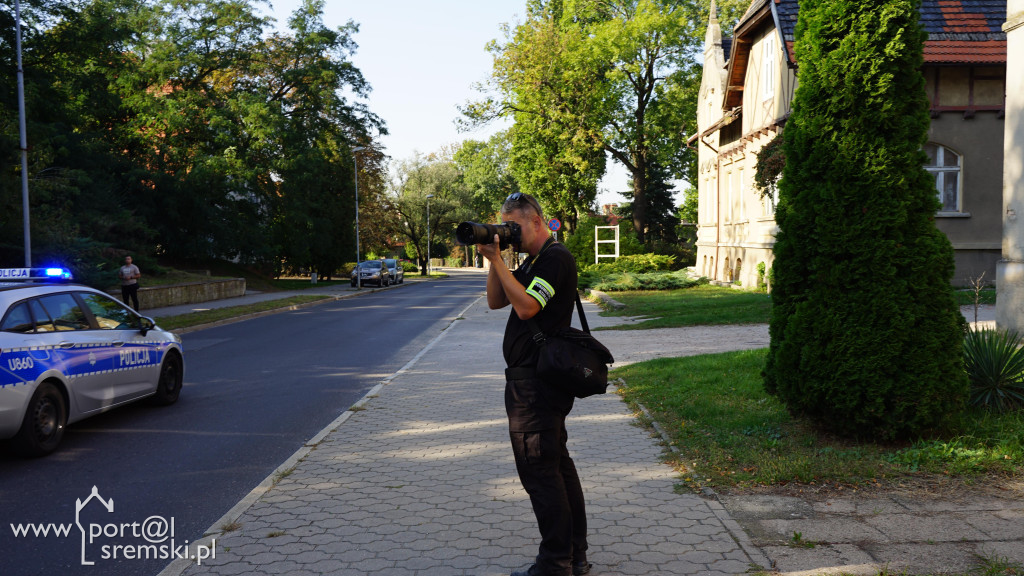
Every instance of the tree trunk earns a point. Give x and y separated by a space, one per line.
640 200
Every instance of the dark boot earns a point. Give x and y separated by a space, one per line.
581 567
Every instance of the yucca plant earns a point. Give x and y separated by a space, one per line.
994 360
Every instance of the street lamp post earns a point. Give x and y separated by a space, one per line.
355 164
23 138
429 196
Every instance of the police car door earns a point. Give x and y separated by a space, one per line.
29 351
86 358
133 356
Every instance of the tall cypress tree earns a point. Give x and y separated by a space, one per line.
866 336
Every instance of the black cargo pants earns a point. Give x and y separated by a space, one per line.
549 476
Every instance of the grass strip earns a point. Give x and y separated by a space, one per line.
217 314
967 297
305 284
731 433
699 305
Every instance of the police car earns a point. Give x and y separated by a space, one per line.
68 352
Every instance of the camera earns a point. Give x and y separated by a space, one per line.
474 233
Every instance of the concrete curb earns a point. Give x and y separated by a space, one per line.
602 297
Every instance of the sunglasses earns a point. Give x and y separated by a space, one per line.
519 199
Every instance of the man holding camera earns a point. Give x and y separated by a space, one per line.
542 288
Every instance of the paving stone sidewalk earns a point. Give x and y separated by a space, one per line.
419 480
873 533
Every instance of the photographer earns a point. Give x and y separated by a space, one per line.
542 288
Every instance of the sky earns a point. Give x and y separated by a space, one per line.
422 60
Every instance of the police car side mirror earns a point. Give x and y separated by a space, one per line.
146 324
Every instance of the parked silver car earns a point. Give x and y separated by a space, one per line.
395 268
371 272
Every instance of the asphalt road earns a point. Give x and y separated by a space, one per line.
254 392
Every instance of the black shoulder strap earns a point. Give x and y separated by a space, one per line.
583 317
538 336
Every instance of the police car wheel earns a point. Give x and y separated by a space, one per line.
45 419
169 386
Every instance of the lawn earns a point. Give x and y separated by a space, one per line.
293 283
967 297
700 305
730 433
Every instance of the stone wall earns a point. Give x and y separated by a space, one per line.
191 293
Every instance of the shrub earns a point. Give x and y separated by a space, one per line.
91 262
994 361
866 337
636 263
641 264
652 281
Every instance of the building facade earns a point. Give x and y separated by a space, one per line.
749 80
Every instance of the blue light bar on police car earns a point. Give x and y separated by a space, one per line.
30 274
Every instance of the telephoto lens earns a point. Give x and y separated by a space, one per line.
475 233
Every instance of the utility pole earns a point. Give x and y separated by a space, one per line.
429 196
355 164
24 137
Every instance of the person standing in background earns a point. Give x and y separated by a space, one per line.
129 275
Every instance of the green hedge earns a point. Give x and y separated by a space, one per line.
632 281
635 263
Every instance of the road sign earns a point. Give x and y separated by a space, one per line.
554 224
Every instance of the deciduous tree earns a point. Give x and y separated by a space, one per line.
438 176
588 78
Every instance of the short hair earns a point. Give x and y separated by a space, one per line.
519 200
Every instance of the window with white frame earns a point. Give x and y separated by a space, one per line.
945 165
768 66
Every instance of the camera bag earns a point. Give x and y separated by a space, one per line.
572 358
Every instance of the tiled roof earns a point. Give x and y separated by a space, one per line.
786 11
963 18
958 30
984 52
